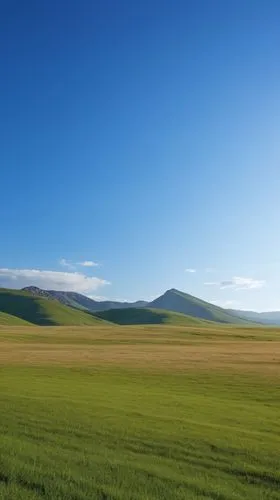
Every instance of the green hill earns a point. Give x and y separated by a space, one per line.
174 300
142 316
41 311
8 319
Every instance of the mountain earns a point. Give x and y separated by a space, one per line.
39 311
174 300
8 319
267 318
142 316
80 301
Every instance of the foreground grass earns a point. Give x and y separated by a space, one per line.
194 429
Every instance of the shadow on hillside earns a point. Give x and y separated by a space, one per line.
134 316
24 307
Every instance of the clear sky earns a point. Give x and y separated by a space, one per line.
142 137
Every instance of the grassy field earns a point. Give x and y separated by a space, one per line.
151 412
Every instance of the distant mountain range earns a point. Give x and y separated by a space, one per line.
50 307
80 301
172 300
266 318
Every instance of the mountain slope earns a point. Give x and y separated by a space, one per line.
41 311
80 301
267 318
8 319
142 316
174 300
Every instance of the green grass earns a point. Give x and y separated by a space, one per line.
142 316
8 319
41 311
115 431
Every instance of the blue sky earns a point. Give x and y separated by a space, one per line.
142 137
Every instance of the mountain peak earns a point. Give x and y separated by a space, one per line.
181 302
38 292
31 289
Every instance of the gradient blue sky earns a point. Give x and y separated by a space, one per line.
142 136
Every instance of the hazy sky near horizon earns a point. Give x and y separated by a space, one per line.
140 148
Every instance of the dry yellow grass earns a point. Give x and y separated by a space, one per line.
173 348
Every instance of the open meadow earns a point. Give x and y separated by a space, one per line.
143 412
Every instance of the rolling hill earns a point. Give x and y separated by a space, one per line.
8 319
147 316
40 311
174 300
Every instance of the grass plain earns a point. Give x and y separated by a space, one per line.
143 412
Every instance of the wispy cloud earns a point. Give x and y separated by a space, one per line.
63 281
238 283
88 263
190 270
72 265
66 263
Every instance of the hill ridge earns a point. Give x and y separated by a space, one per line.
173 300
39 311
79 301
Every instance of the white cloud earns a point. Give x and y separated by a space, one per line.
66 263
63 281
238 283
72 266
190 270
88 263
